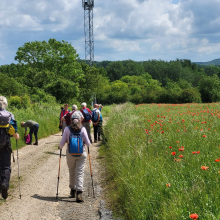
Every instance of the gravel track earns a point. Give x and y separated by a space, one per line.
39 171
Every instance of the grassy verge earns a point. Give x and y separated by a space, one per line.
47 117
163 161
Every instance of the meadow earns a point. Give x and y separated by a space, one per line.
163 161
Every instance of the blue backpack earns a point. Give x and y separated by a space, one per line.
75 142
94 116
86 114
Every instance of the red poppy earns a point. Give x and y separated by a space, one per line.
168 185
194 216
217 160
204 136
181 156
173 153
198 152
162 132
181 149
204 168
170 147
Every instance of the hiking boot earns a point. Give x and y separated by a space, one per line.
73 193
4 191
79 196
95 141
36 143
99 139
29 143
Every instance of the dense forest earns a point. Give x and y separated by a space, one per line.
52 72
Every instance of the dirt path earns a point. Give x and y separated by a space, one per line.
38 171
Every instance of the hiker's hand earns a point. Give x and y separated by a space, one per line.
16 136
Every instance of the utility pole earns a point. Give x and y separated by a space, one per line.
88 30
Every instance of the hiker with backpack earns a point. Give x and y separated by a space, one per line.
67 117
97 123
87 114
75 135
64 112
33 126
8 128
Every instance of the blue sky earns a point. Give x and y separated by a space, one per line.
123 29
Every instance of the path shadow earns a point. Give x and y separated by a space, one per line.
48 152
52 143
53 199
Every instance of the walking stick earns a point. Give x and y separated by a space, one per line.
18 169
91 173
58 174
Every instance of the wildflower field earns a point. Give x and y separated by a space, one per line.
163 161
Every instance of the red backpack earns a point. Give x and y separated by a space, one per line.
68 118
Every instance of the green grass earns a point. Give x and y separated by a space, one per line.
106 110
47 117
140 163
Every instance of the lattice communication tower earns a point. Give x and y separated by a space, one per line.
88 29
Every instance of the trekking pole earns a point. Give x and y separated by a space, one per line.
18 169
58 174
91 174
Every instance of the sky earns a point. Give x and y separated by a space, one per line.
123 29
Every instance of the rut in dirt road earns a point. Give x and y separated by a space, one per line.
39 171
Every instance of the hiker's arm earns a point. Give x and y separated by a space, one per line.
65 137
16 136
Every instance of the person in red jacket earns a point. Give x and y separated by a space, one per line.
87 114
64 112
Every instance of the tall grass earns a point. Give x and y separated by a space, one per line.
147 181
46 115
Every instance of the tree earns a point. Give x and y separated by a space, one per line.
209 87
55 56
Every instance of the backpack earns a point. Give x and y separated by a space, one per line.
5 119
68 118
86 114
94 116
75 142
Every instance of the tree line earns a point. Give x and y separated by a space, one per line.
51 71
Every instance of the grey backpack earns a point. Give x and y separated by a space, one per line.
5 118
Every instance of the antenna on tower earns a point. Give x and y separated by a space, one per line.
88 29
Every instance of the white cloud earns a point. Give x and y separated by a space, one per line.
123 29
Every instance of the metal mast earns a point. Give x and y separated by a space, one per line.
88 29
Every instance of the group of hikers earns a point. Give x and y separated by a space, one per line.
76 133
78 123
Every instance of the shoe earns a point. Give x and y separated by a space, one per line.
72 193
99 139
29 143
79 196
36 143
4 192
95 141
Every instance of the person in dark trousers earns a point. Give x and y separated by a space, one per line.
5 151
60 124
64 112
97 126
86 122
34 126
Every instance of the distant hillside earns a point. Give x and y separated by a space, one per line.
215 62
